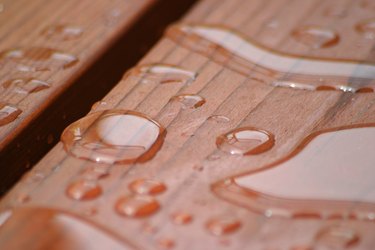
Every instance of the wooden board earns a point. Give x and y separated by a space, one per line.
189 164
100 39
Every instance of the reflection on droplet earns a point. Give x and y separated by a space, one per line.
147 186
366 27
223 225
316 37
83 190
8 113
181 218
137 206
314 180
245 141
25 85
39 58
114 136
45 228
337 237
164 73
189 101
218 118
243 55
62 32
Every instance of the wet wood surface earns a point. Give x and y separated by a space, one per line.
189 162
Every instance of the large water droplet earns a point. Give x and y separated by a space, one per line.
314 180
8 113
114 136
25 85
62 32
137 206
39 58
223 225
164 73
367 27
316 37
245 141
189 101
243 55
147 186
337 237
83 190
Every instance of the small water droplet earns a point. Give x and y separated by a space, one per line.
112 17
316 37
23 198
166 243
198 168
213 157
83 190
189 101
218 118
8 113
137 206
114 136
148 228
273 24
25 85
39 58
33 176
97 104
223 225
95 172
164 73
337 237
245 141
90 211
367 28
293 85
62 32
147 186
181 218
338 11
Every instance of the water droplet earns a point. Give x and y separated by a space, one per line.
338 11
273 24
337 237
293 185
218 118
39 58
316 37
8 113
90 211
223 225
245 141
147 186
83 190
231 48
23 198
95 172
166 243
189 101
62 32
148 228
164 73
137 206
114 136
1 7
25 85
112 17
33 176
67 230
181 218
97 104
213 157
367 28
198 168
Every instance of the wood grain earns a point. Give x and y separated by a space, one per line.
183 164
108 42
